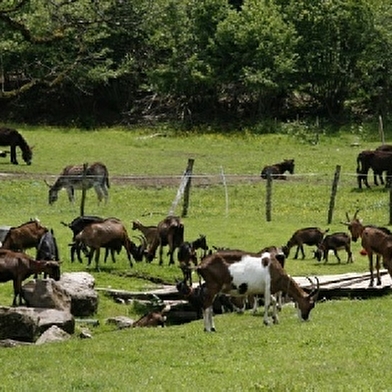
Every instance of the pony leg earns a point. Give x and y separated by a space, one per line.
13 155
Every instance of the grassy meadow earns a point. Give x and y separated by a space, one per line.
345 345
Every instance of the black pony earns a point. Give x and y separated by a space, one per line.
11 137
276 171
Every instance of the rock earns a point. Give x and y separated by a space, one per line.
27 324
120 321
53 334
80 287
46 293
53 317
19 324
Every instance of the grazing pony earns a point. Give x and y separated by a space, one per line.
73 177
277 170
11 137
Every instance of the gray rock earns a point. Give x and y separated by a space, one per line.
53 334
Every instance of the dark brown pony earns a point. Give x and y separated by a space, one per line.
11 137
277 170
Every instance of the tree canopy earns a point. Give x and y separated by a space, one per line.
116 61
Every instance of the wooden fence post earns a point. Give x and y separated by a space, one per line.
188 174
268 202
333 193
85 165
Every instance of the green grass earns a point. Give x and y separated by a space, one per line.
342 348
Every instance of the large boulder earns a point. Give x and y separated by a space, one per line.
27 324
46 293
19 324
80 287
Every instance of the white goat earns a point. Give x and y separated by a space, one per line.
239 275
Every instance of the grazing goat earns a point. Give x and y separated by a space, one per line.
277 170
18 266
149 232
334 242
195 296
73 177
240 275
24 236
111 232
376 241
77 225
187 255
308 236
170 231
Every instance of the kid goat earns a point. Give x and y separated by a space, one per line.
239 275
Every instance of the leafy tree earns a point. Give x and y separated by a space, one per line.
254 57
333 37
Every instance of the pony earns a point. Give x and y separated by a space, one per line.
277 170
73 177
11 137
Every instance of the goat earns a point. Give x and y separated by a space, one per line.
240 274
17 266
170 231
335 242
376 241
195 296
308 236
356 227
153 319
109 232
77 225
24 236
149 232
187 254
47 249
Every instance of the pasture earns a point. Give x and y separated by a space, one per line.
345 345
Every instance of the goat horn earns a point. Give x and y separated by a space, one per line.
347 217
355 215
314 292
46 182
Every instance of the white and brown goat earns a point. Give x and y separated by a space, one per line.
239 275
335 241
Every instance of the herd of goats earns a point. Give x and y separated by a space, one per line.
235 273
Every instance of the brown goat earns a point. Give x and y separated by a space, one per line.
24 236
308 236
100 234
376 241
151 319
356 227
18 266
240 275
170 231
149 232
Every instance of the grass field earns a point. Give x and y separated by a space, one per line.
343 347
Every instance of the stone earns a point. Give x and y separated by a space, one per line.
53 334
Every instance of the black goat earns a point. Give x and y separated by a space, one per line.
187 255
47 249
335 242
